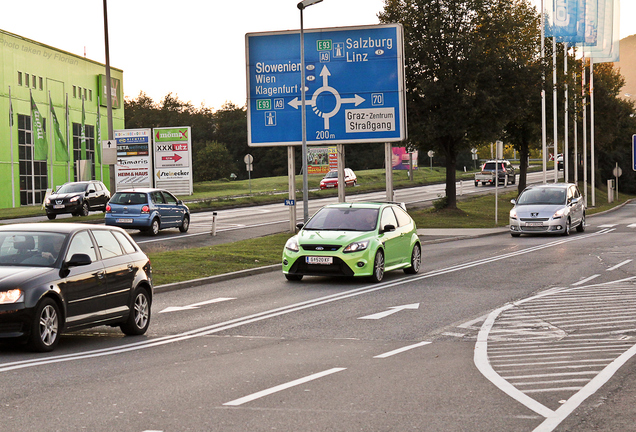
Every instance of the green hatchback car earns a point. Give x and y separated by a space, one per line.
354 239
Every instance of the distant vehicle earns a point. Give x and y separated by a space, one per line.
560 162
147 209
77 198
69 276
331 179
505 172
548 208
354 239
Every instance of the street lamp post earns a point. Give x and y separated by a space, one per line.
301 6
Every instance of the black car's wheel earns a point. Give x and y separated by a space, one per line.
46 326
84 210
139 318
51 216
378 267
568 226
416 260
581 227
293 277
185 224
154 227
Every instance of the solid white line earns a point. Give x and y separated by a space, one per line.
619 265
281 387
586 280
400 350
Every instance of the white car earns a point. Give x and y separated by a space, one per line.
553 208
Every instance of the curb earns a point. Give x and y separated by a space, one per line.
217 278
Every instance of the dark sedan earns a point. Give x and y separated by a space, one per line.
64 277
77 198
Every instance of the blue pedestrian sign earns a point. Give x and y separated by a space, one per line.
354 86
290 202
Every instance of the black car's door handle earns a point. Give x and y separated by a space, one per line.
100 274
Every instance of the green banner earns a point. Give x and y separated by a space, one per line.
40 147
61 151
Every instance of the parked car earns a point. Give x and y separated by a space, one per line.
331 179
147 209
62 277
77 198
505 172
354 239
548 208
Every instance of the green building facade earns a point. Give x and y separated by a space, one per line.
40 84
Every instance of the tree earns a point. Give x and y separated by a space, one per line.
462 61
212 162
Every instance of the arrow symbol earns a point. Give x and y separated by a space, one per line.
391 311
174 158
195 305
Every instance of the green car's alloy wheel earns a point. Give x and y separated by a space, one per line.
378 267
416 260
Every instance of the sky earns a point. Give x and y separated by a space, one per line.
192 48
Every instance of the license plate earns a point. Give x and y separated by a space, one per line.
537 224
124 220
319 260
331 185
58 206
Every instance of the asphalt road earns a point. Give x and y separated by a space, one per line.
495 334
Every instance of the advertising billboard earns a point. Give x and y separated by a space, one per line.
173 159
134 160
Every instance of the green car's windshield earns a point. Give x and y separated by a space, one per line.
548 196
345 219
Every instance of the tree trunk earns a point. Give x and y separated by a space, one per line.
524 153
451 178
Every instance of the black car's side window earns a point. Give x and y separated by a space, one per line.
82 244
125 242
107 243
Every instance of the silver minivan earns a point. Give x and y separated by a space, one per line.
553 208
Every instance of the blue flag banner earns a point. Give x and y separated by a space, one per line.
606 48
565 20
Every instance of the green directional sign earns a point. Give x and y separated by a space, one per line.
324 45
264 104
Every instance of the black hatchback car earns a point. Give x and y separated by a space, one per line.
77 198
64 277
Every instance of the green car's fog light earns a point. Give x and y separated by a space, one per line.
285 262
360 264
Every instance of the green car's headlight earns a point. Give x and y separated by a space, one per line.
11 296
356 246
292 244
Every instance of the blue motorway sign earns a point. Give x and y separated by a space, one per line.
354 86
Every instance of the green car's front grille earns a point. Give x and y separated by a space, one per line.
320 248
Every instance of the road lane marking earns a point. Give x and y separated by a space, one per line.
581 282
390 311
196 305
619 265
282 387
401 350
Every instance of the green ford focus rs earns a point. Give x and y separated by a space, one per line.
354 239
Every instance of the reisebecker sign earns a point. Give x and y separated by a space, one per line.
354 88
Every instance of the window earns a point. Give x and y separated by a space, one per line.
26 79
157 198
89 150
90 95
41 83
402 217
33 174
169 198
125 242
108 245
19 78
81 244
34 80
388 218
75 91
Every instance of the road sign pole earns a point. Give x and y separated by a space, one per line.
341 173
388 163
301 6
291 178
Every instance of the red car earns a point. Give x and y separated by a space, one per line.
331 179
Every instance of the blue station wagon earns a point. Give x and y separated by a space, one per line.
148 210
